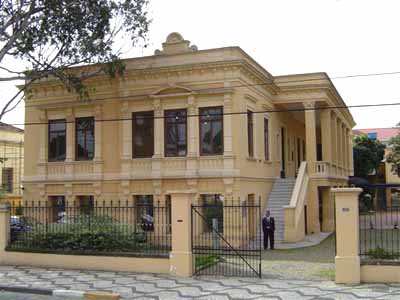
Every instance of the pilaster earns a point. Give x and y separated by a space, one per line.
158 138
193 137
126 134
228 143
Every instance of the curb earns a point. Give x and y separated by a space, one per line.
63 293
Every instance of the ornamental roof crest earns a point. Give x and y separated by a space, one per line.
175 44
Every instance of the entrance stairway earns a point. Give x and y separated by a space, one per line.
278 198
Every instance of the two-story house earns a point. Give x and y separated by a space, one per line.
211 121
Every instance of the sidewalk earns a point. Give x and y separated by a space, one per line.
147 286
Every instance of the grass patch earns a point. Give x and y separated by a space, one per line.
205 261
380 253
326 274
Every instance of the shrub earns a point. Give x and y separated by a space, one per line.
85 233
380 253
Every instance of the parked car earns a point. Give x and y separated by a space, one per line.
18 224
147 222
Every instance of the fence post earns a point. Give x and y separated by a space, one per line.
347 260
181 258
4 228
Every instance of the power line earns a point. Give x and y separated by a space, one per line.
222 114
271 82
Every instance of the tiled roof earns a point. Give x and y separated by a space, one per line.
8 127
383 134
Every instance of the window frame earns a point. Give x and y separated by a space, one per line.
221 116
49 131
175 124
82 158
250 133
134 114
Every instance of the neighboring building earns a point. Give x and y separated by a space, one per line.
136 155
11 162
384 173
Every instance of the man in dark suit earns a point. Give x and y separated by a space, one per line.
268 226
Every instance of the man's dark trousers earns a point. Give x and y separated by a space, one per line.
269 235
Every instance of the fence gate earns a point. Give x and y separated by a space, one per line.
226 237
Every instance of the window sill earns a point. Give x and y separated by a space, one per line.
267 162
251 158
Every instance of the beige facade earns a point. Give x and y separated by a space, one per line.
182 77
12 162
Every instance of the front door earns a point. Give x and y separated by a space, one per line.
283 151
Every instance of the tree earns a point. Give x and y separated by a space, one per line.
50 36
393 155
368 154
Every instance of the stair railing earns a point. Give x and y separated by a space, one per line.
294 212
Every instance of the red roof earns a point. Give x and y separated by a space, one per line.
383 134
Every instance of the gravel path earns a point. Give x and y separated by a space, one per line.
311 263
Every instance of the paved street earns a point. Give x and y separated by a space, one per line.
145 286
23 296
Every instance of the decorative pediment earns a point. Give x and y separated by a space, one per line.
172 90
175 44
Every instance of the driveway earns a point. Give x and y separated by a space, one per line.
310 263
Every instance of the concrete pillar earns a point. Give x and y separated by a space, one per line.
326 135
70 138
181 257
351 163
311 136
126 131
334 138
328 211
344 152
228 142
4 228
347 260
313 225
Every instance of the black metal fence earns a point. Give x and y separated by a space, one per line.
91 228
226 237
379 222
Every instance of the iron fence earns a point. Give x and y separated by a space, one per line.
226 237
117 228
379 234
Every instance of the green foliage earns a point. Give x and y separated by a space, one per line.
19 210
393 156
380 253
48 37
83 233
205 261
368 153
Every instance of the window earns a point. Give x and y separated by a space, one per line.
175 132
57 135
145 212
213 212
211 131
7 179
86 204
143 134
250 141
58 208
266 140
84 138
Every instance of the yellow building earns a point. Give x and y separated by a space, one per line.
213 122
12 162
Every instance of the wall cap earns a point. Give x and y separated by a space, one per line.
346 190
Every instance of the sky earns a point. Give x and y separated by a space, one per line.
339 37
